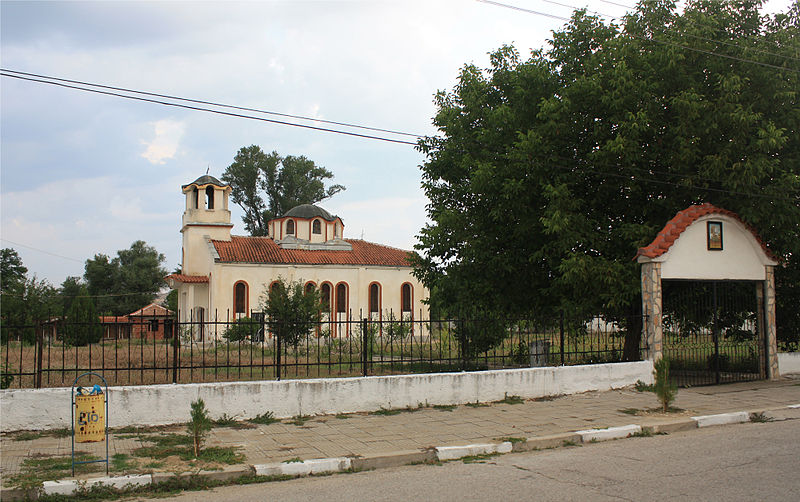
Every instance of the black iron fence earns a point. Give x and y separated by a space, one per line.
148 350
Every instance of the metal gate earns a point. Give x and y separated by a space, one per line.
713 331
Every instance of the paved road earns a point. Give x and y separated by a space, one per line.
754 461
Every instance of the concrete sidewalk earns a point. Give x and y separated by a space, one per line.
365 435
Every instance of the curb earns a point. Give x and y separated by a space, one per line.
401 458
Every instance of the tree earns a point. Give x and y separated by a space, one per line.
265 186
549 173
128 282
25 301
82 325
71 288
293 311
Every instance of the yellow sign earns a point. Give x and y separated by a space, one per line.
90 419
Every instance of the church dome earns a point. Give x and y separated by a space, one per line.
309 211
206 180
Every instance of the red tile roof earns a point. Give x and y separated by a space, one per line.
187 278
265 250
675 227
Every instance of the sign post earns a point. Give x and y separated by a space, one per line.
89 417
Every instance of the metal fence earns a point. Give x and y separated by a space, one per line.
149 350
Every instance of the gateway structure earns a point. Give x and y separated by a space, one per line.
223 277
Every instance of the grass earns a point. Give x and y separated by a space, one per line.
31 435
37 469
293 460
122 462
226 421
478 459
444 407
342 416
567 443
386 412
644 433
630 411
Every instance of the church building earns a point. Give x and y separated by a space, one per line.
223 277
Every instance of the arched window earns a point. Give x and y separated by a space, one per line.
326 296
240 298
290 227
316 227
209 197
274 286
310 287
407 299
196 198
374 298
341 298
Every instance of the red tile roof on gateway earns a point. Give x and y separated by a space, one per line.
188 278
265 250
675 227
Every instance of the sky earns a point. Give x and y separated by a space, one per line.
84 173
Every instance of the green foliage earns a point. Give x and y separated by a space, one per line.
129 281
265 185
293 311
82 326
567 162
394 330
476 336
265 418
24 301
665 390
6 378
199 425
243 329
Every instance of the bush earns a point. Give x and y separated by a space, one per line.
664 389
199 425
242 330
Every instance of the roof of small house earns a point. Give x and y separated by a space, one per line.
264 250
188 278
309 211
675 227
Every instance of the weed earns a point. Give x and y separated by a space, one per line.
594 440
569 443
342 416
153 465
644 433
293 460
630 411
299 420
476 404
444 407
27 436
512 440
511 399
644 387
265 418
221 455
225 421
128 429
386 412
760 417
478 459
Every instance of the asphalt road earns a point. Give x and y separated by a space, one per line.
753 461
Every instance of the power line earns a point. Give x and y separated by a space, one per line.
209 110
649 39
40 250
221 105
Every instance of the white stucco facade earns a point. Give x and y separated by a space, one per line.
226 276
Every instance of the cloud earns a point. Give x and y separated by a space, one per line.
164 146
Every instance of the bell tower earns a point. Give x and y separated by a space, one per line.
206 216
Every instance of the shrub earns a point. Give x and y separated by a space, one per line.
664 389
199 425
242 330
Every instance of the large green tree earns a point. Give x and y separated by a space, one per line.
127 282
548 173
25 301
266 185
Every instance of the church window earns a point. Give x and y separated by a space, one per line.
209 197
374 298
341 298
290 227
326 296
316 227
240 298
196 198
405 294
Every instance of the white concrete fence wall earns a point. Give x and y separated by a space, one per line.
788 362
36 409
